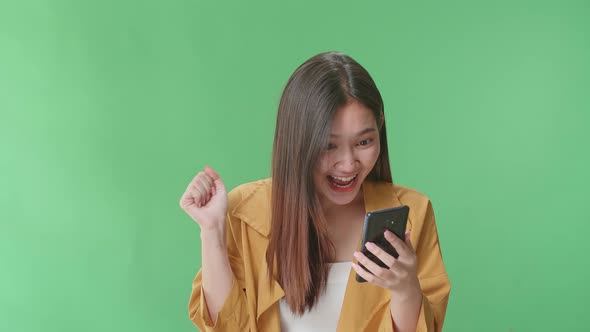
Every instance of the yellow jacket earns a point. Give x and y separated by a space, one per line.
253 306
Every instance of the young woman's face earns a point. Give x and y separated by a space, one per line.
351 154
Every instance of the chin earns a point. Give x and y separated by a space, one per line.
340 198
341 201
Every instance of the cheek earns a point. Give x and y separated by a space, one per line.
377 150
371 155
322 167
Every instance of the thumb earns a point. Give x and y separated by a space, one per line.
213 175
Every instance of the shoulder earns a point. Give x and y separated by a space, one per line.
421 212
382 195
410 196
248 191
391 194
250 203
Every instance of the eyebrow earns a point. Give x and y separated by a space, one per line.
362 132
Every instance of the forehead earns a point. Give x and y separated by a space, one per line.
352 118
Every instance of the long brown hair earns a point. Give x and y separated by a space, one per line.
299 238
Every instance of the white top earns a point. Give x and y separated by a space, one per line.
325 314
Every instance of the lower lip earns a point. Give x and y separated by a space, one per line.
343 190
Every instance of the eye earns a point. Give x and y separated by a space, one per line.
366 141
330 146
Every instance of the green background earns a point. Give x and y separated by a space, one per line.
109 108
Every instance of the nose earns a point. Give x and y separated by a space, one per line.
346 161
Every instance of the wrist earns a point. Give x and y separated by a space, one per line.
213 236
408 295
405 309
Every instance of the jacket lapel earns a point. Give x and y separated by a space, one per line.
254 210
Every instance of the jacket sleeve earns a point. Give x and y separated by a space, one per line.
432 275
233 315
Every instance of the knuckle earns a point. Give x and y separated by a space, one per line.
380 273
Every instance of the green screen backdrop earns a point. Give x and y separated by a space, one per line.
109 108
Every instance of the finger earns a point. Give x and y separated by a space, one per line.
198 196
209 187
187 199
193 198
377 270
215 177
386 258
368 276
191 184
206 182
200 191
207 178
191 195
399 245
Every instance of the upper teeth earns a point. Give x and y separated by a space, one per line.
344 179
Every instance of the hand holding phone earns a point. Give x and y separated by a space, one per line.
395 220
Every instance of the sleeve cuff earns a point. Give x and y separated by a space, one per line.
226 318
426 318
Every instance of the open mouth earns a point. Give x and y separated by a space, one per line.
342 182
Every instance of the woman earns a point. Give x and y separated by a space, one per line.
277 254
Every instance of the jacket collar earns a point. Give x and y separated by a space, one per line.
254 207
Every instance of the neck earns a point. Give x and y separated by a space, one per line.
334 212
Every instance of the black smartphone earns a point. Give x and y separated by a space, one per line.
393 219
